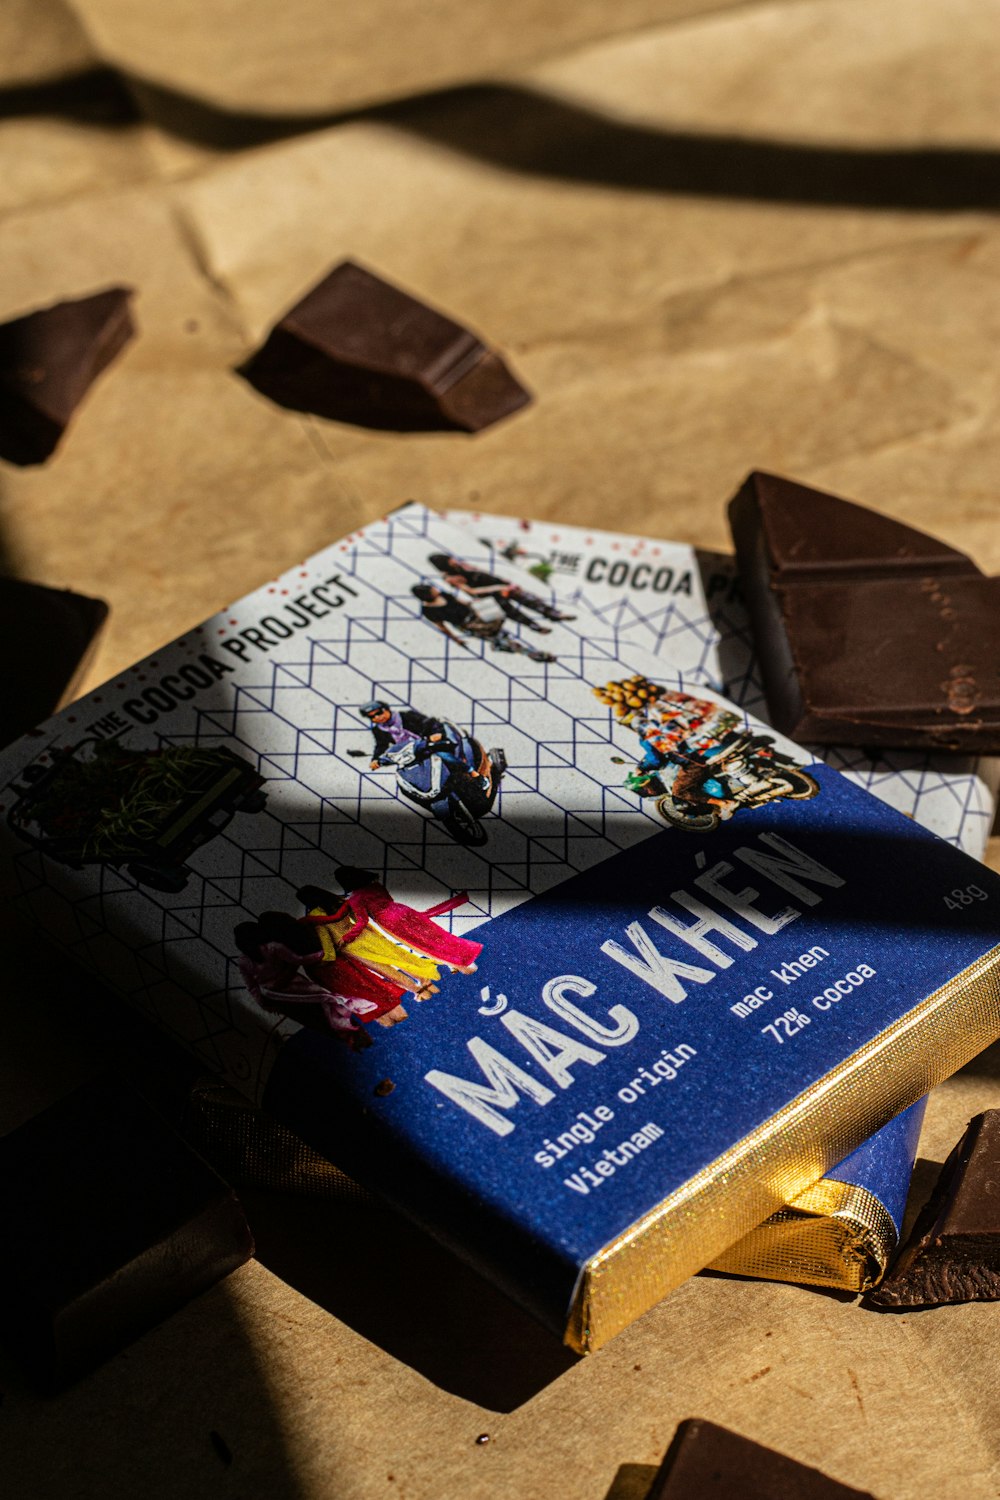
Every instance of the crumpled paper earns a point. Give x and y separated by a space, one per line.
306 56
765 237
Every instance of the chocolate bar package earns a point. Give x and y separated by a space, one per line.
686 606
842 1231
565 955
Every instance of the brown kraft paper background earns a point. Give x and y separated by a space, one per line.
762 236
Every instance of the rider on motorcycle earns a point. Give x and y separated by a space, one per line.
442 768
701 760
395 727
679 748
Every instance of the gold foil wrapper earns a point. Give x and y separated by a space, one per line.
774 1165
835 1234
252 1150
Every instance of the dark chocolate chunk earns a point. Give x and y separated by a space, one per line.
914 662
51 635
868 631
953 1253
111 1224
811 536
706 1461
48 361
357 349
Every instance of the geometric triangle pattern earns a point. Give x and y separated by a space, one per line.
286 703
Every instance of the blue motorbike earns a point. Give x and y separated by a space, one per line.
453 778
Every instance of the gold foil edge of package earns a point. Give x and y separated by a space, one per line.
770 1168
835 1234
752 1222
252 1150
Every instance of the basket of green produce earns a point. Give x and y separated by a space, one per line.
102 802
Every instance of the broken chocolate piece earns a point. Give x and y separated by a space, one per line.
357 349
63 629
709 1461
112 1223
868 631
811 536
899 663
953 1254
48 361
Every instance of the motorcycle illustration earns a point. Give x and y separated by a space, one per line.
101 802
699 763
698 793
449 775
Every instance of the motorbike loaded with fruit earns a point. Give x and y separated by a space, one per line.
700 760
